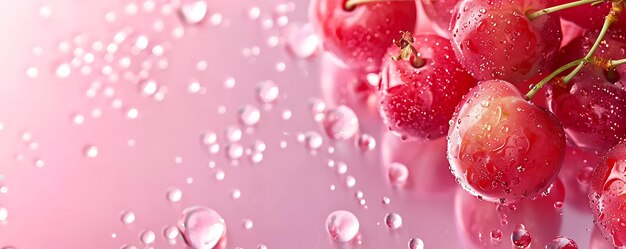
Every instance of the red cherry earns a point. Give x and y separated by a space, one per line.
426 162
562 243
606 194
495 39
440 12
589 16
360 36
418 102
592 108
501 147
576 175
483 224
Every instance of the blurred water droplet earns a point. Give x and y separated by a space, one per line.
398 174
313 140
202 227
366 142
4 213
32 72
132 113
234 151
90 151
249 115
148 237
148 88
302 40
341 123
350 181
261 246
247 224
393 220
220 175
233 134
286 115
416 243
128 217
171 232
236 194
63 70
45 12
342 225
193 11
209 138
267 92
174 195
254 13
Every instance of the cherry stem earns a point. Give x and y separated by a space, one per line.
615 63
611 18
553 75
405 44
538 13
350 4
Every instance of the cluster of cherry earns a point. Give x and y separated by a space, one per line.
479 87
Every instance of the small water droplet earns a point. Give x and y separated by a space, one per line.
366 142
247 224
128 217
4 213
193 11
267 92
302 40
416 243
342 225
249 115
233 134
174 195
63 70
236 194
171 232
350 181
202 227
341 123
148 237
313 140
398 174
393 220
91 151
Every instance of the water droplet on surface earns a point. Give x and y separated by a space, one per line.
247 224
302 40
342 225
416 243
393 220
249 115
148 237
193 11
521 237
236 194
230 83
366 142
267 92
562 243
313 140
341 123
254 13
63 70
202 227
171 232
4 214
174 195
234 151
233 134
496 235
398 174
149 88
128 217
350 181
209 138
90 151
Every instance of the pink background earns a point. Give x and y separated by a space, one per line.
76 202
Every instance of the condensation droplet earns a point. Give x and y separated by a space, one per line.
148 237
202 227
393 220
342 225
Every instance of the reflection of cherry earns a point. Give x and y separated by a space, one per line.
359 34
501 147
576 175
426 162
483 224
608 195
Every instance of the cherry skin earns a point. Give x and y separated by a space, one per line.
592 108
607 195
360 36
495 39
426 162
502 147
418 102
483 224
440 12
589 16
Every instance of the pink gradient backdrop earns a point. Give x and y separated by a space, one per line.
76 202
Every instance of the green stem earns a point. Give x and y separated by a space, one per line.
615 63
536 14
605 27
350 4
553 75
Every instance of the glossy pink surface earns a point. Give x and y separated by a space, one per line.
76 199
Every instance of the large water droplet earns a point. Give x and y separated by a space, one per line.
521 237
342 225
341 123
193 11
202 227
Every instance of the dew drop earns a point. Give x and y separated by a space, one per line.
342 225
341 123
193 11
416 243
393 220
202 227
